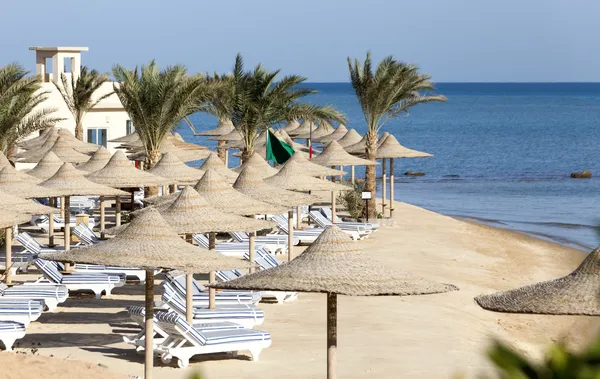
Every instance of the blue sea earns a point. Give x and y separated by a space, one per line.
503 153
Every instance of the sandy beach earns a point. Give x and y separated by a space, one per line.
379 337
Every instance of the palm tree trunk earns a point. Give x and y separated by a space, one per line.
247 153
370 179
153 158
221 151
79 130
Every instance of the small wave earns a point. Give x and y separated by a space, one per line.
480 219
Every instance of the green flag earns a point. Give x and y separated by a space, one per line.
277 150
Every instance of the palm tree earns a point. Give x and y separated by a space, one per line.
156 100
260 102
20 110
392 89
78 92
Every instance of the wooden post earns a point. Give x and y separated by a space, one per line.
384 187
341 176
227 158
62 208
331 335
333 211
52 203
189 298
211 240
251 236
149 346
102 217
352 175
165 189
211 292
391 186
132 199
118 210
290 233
298 218
67 220
8 246
172 188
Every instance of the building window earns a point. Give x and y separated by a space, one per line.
129 127
98 136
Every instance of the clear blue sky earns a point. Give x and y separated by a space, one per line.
453 40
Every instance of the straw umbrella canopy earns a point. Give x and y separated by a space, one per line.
337 134
234 135
384 136
98 160
291 125
357 147
250 184
119 172
224 127
11 183
46 167
63 150
293 176
574 294
335 265
322 130
214 162
174 169
191 152
148 242
313 169
80 146
126 139
4 162
391 148
335 155
69 181
10 218
36 141
304 128
350 138
263 168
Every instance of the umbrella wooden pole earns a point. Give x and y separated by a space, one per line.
211 241
391 186
52 203
132 199
67 220
102 217
189 298
8 246
62 208
251 236
165 189
298 218
352 174
290 233
384 189
331 335
149 347
118 210
333 211
172 188
227 158
211 292
342 176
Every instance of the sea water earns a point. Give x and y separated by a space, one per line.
503 154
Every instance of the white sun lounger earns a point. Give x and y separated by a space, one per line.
97 283
275 243
10 331
200 294
352 230
326 211
247 315
59 223
20 261
51 295
185 341
231 249
23 311
85 234
267 261
305 236
137 313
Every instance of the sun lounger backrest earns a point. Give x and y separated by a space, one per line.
240 236
281 223
227 275
3 287
201 240
48 269
89 232
173 323
28 242
172 298
179 283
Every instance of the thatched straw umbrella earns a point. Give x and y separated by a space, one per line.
46 167
224 127
574 294
350 138
322 130
304 128
69 181
291 125
126 139
357 147
148 242
334 265
234 135
37 141
98 160
11 183
10 204
63 150
78 145
4 162
313 169
119 172
213 161
189 153
263 168
337 134
391 148
173 168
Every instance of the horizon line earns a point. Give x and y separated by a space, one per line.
471 82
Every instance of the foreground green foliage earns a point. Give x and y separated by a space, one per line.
20 111
78 92
558 364
393 88
352 200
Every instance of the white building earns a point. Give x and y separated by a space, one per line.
106 121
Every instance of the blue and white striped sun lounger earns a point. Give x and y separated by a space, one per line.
20 261
275 243
228 275
10 331
59 223
97 283
232 249
326 211
51 295
266 261
23 311
185 341
355 231
200 294
137 313
32 245
247 315
85 234
305 236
